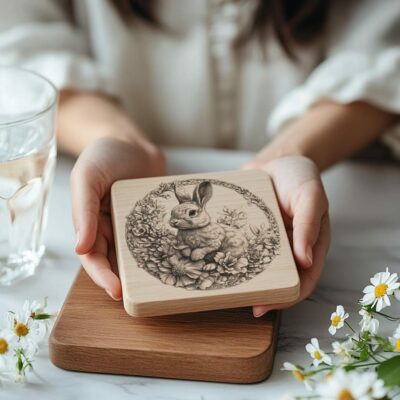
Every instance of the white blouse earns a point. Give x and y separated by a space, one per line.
187 84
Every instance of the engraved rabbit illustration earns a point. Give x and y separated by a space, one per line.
197 235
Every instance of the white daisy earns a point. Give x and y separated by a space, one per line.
343 350
297 373
43 321
7 345
353 386
337 319
318 355
28 330
383 285
368 322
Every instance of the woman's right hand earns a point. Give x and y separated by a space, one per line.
101 164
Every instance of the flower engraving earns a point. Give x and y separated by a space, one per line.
188 248
180 271
226 264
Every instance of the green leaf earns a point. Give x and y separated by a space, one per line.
42 316
366 336
382 341
364 355
20 363
389 371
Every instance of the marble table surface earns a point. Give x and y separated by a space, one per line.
365 212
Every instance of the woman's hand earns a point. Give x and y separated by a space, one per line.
101 164
304 207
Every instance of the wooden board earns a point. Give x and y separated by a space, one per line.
94 334
201 242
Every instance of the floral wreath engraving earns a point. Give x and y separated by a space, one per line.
199 253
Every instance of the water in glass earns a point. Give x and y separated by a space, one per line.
27 161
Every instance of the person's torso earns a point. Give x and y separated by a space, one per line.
187 83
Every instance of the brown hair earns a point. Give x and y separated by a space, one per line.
293 22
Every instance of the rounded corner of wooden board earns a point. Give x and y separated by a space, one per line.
58 351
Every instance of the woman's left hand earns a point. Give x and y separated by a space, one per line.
304 208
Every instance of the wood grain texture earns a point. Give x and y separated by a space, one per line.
146 295
94 334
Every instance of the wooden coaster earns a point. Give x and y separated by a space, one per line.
201 242
94 334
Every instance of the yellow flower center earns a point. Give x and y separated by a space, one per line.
381 289
335 321
396 346
317 355
298 375
345 395
21 329
3 346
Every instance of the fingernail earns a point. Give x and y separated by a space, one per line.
309 255
259 313
112 296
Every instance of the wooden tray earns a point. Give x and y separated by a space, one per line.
94 334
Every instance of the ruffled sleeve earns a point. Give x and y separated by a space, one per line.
362 64
39 35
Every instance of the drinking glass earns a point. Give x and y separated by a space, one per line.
28 105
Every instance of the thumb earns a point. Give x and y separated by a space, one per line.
85 207
309 210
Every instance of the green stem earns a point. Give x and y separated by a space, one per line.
330 368
317 371
374 355
358 365
349 326
374 358
27 361
385 316
20 363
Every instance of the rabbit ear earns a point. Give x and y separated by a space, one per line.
202 193
181 193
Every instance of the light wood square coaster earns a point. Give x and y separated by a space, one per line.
201 242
